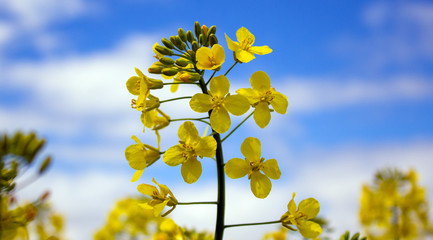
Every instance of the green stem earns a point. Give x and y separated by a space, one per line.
191 203
251 224
191 119
182 56
174 99
211 77
171 83
234 129
234 64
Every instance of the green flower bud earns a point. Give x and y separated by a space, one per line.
190 77
167 43
169 71
182 34
173 39
166 61
204 30
197 29
190 36
182 46
195 46
164 50
154 83
45 165
181 62
213 39
154 70
201 39
212 30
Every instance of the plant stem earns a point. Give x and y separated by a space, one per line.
191 119
174 99
171 83
234 129
251 224
191 203
211 77
234 64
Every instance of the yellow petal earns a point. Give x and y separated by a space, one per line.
279 103
220 120
157 209
234 46
163 189
244 35
174 87
292 205
173 156
309 207
219 86
309 229
271 169
188 133
137 175
202 56
260 81
260 50
251 149
140 74
218 54
201 102
206 147
147 189
251 94
236 104
237 168
135 154
260 185
156 52
191 170
262 114
244 56
132 85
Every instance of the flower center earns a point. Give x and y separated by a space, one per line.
211 60
267 97
217 102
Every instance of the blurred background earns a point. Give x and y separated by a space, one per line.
358 76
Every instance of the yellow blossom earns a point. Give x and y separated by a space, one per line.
244 51
140 85
307 209
140 156
182 76
160 199
220 102
210 58
155 119
169 230
261 95
254 165
158 55
190 146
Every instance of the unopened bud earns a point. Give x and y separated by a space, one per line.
182 34
164 50
45 165
195 46
167 43
154 70
190 36
197 29
154 83
189 77
212 30
213 39
182 46
201 39
181 62
169 71
204 29
166 61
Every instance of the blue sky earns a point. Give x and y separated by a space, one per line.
358 76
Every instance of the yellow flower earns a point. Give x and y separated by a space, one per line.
140 85
307 209
190 146
140 156
183 76
244 51
169 230
160 198
261 95
210 58
151 119
220 101
254 165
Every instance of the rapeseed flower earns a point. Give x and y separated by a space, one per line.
140 85
244 51
261 95
254 165
160 199
140 156
220 102
210 58
307 209
190 146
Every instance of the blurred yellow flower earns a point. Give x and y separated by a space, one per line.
254 165
210 58
261 95
244 51
190 146
160 199
219 101
307 209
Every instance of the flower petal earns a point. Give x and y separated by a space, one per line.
236 104
188 133
191 170
201 102
163 189
147 189
173 156
206 147
260 185
292 205
309 229
220 120
157 208
131 85
202 56
310 207
260 81
262 114
137 175
219 86
237 168
135 154
218 54
242 34
251 149
279 103
244 56
271 169
251 94
232 45
260 50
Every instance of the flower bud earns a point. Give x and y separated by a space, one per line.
169 71
189 77
197 29
190 36
154 83
164 50
200 39
182 34
154 70
195 46
178 42
166 61
45 165
212 30
173 39
167 43
213 39
204 29
181 62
